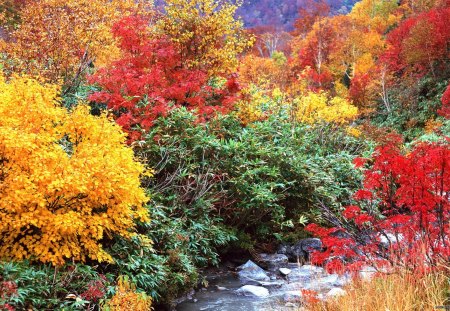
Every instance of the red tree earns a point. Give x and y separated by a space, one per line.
445 110
420 43
402 215
150 79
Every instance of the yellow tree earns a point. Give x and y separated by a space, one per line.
206 33
59 39
67 179
320 107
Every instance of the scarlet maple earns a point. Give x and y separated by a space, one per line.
403 213
150 79
445 109
420 43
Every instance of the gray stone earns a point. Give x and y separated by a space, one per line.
285 271
311 244
221 288
272 261
253 291
305 273
252 273
300 250
329 280
271 284
293 252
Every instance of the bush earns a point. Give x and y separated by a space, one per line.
65 189
259 179
43 287
127 298
401 216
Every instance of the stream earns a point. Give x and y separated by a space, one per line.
271 290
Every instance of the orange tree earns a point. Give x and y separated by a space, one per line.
59 39
67 180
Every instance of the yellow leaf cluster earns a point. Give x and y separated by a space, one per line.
206 33
320 107
258 104
67 179
126 298
58 38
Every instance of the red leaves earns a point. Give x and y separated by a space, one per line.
359 91
8 289
419 43
359 162
413 229
445 109
95 289
151 79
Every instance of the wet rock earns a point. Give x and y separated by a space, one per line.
253 291
252 273
285 271
293 252
273 261
336 292
311 244
329 280
275 284
305 273
300 250
221 288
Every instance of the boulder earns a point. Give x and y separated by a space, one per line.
253 291
293 252
273 261
311 244
275 284
305 273
300 250
252 273
285 271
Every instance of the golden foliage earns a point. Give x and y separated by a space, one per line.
126 298
206 33
67 179
264 72
58 38
257 104
317 107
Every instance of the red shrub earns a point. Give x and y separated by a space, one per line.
402 217
445 109
151 79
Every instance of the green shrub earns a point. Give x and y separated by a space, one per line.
44 287
258 179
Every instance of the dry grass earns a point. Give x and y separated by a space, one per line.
394 292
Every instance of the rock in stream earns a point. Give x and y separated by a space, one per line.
252 288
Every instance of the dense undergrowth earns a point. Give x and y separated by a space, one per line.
137 147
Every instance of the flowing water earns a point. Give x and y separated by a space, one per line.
220 296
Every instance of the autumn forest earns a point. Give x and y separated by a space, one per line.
151 152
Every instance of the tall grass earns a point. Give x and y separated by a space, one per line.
402 291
